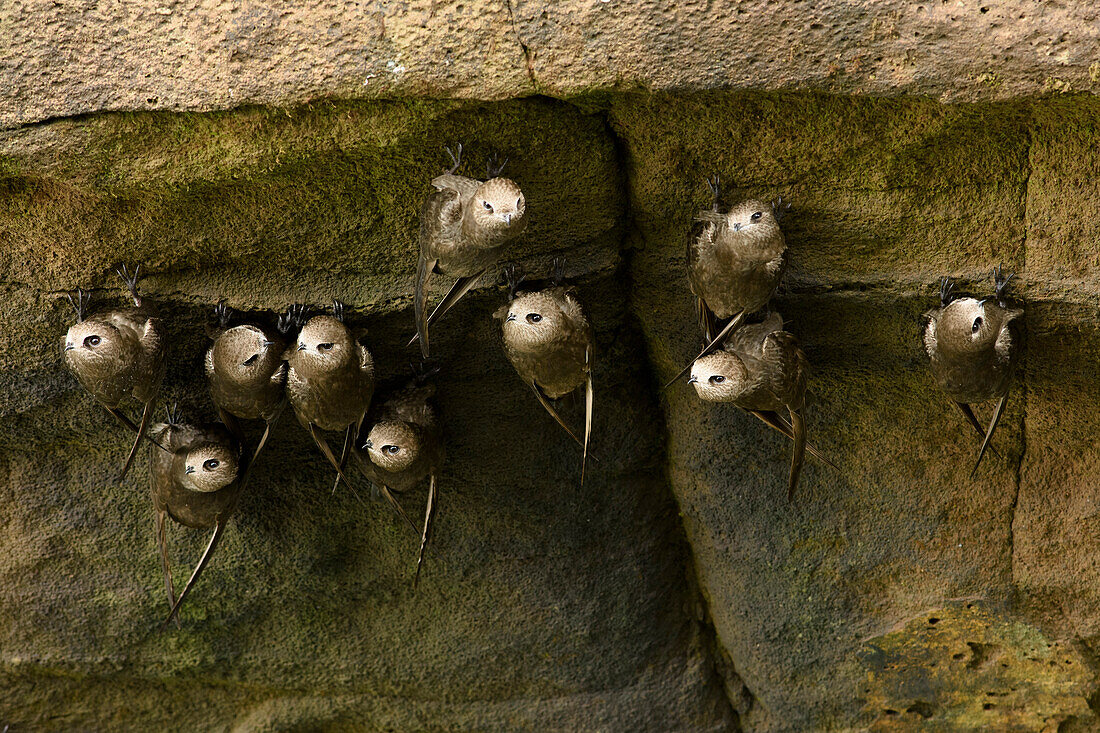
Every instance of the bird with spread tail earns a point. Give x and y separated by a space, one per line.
972 351
117 354
465 224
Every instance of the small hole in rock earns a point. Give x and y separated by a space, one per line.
988 706
888 711
921 708
933 621
958 655
984 9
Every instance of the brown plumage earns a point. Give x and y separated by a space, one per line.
464 225
247 375
972 352
548 340
761 369
329 382
735 262
196 482
118 354
400 445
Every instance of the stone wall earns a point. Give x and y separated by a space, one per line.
677 590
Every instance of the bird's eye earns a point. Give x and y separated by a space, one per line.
717 379
391 449
488 206
757 215
251 360
91 341
533 318
211 464
324 346
977 325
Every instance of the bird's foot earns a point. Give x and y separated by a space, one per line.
223 312
338 310
294 318
423 371
947 286
714 186
1000 284
557 270
172 415
130 280
494 165
513 276
456 157
780 208
80 303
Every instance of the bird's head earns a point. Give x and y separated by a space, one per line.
532 320
324 343
209 467
392 446
718 377
498 207
753 220
245 355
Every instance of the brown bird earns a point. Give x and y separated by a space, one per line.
330 381
464 225
401 444
196 482
549 342
761 369
735 262
118 354
247 375
973 355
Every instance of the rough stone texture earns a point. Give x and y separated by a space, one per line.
66 58
548 606
544 606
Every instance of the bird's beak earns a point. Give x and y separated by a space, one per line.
693 379
190 469
368 445
511 317
737 227
301 347
69 347
507 218
981 302
268 343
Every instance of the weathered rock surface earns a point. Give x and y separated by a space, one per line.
547 606
65 58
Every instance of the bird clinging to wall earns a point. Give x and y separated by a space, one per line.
197 482
548 340
972 351
735 262
401 444
761 368
117 354
464 225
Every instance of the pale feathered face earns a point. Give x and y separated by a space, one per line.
209 467
91 342
392 446
243 354
531 320
753 219
324 343
718 377
965 325
499 207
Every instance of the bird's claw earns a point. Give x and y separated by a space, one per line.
456 157
513 276
947 286
338 310
557 270
494 166
780 208
1000 283
80 304
172 415
223 312
714 186
130 280
295 317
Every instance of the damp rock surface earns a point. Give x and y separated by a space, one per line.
677 590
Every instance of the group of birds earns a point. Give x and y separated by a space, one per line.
320 366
